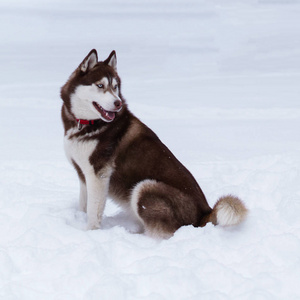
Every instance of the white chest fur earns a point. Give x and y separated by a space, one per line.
79 150
94 190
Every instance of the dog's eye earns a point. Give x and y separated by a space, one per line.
115 87
100 86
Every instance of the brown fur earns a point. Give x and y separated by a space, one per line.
146 157
135 154
164 208
79 171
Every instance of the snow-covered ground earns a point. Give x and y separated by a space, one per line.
219 81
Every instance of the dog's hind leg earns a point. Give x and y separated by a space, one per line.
161 208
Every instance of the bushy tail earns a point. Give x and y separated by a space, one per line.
229 210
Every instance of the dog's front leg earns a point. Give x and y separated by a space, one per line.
82 196
97 189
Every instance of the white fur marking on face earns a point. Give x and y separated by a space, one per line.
103 81
114 82
84 96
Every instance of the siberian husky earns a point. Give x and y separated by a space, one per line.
117 156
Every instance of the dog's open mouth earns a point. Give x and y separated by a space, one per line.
108 116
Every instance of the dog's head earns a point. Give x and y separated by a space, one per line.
93 89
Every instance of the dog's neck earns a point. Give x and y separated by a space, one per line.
84 125
81 122
70 121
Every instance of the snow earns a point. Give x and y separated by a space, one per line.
218 81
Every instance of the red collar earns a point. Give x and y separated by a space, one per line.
81 122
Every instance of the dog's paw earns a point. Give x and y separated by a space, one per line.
93 226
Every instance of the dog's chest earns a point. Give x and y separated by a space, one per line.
79 150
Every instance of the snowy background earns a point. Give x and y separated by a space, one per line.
219 82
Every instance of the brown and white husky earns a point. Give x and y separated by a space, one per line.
117 156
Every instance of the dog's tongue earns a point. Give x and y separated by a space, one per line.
110 115
107 115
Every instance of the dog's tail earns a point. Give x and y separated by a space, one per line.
228 211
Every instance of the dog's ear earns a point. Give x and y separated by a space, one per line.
112 60
89 62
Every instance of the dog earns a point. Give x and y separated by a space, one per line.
117 156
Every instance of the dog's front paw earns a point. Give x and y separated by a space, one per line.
93 226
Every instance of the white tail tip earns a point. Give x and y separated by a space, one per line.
230 210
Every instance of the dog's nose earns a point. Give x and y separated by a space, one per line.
118 104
